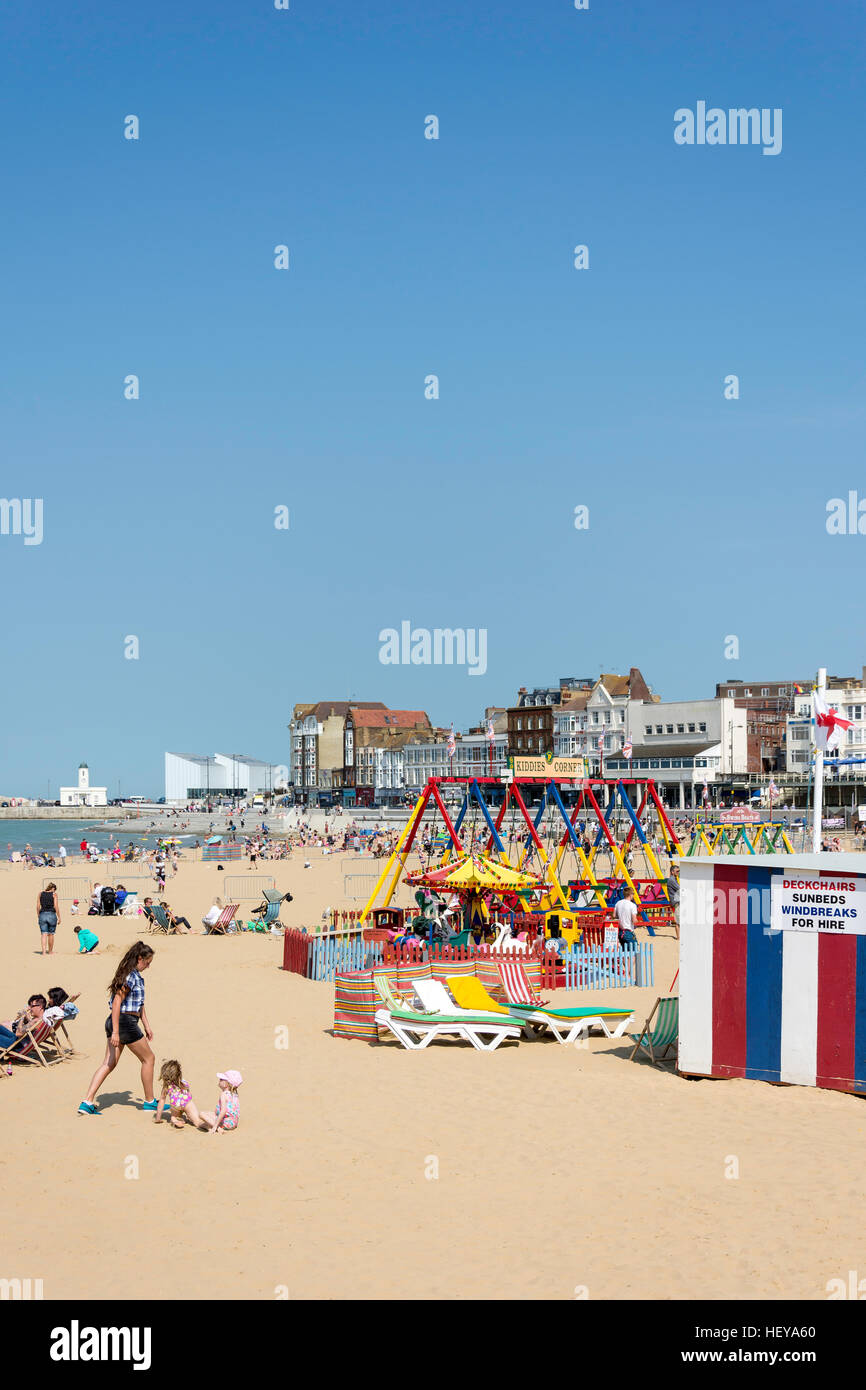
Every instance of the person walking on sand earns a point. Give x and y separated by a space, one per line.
48 915
123 1027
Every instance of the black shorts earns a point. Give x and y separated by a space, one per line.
128 1029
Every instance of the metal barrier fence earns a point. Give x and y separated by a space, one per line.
358 887
600 967
68 889
235 888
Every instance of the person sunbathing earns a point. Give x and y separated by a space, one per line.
13 1029
177 924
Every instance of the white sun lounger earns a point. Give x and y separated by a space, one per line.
417 1031
435 997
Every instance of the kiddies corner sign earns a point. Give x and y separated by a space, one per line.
818 902
548 765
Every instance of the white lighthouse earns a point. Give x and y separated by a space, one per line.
83 794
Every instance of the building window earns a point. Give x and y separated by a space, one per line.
765 690
702 728
647 728
748 694
691 728
520 723
670 728
658 728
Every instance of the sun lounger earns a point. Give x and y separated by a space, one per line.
657 1038
31 1047
416 1030
435 998
470 993
517 989
224 921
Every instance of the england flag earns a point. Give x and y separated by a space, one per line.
829 726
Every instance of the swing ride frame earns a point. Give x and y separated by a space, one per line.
624 793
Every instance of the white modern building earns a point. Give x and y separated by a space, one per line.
681 745
83 794
234 776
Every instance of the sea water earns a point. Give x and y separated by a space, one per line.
51 834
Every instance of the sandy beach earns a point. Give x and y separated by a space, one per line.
563 1172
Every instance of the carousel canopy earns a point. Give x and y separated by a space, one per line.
473 873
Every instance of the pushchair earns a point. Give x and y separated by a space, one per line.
108 900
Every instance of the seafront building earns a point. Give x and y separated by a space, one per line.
475 754
316 746
375 746
751 742
569 722
83 794
684 745
201 776
845 694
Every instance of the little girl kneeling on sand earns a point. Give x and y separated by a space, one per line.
175 1096
227 1113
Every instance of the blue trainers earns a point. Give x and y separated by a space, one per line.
150 1105
85 1108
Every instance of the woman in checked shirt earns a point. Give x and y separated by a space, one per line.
123 1027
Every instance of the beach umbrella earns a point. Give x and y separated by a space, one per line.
214 840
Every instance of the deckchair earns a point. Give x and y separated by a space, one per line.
521 998
470 993
391 1000
159 920
272 913
224 920
655 1041
33 1040
54 1040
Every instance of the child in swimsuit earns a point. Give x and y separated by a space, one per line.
227 1113
176 1098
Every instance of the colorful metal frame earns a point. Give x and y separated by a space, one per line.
587 804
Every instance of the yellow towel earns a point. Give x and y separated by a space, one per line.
471 994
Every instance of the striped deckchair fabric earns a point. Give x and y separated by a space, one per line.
355 1003
660 1032
29 1047
517 982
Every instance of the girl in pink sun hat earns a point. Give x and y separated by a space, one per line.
228 1112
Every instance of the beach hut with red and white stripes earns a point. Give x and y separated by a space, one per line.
773 969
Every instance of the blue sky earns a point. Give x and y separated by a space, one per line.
410 256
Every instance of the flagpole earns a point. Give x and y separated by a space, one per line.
818 795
